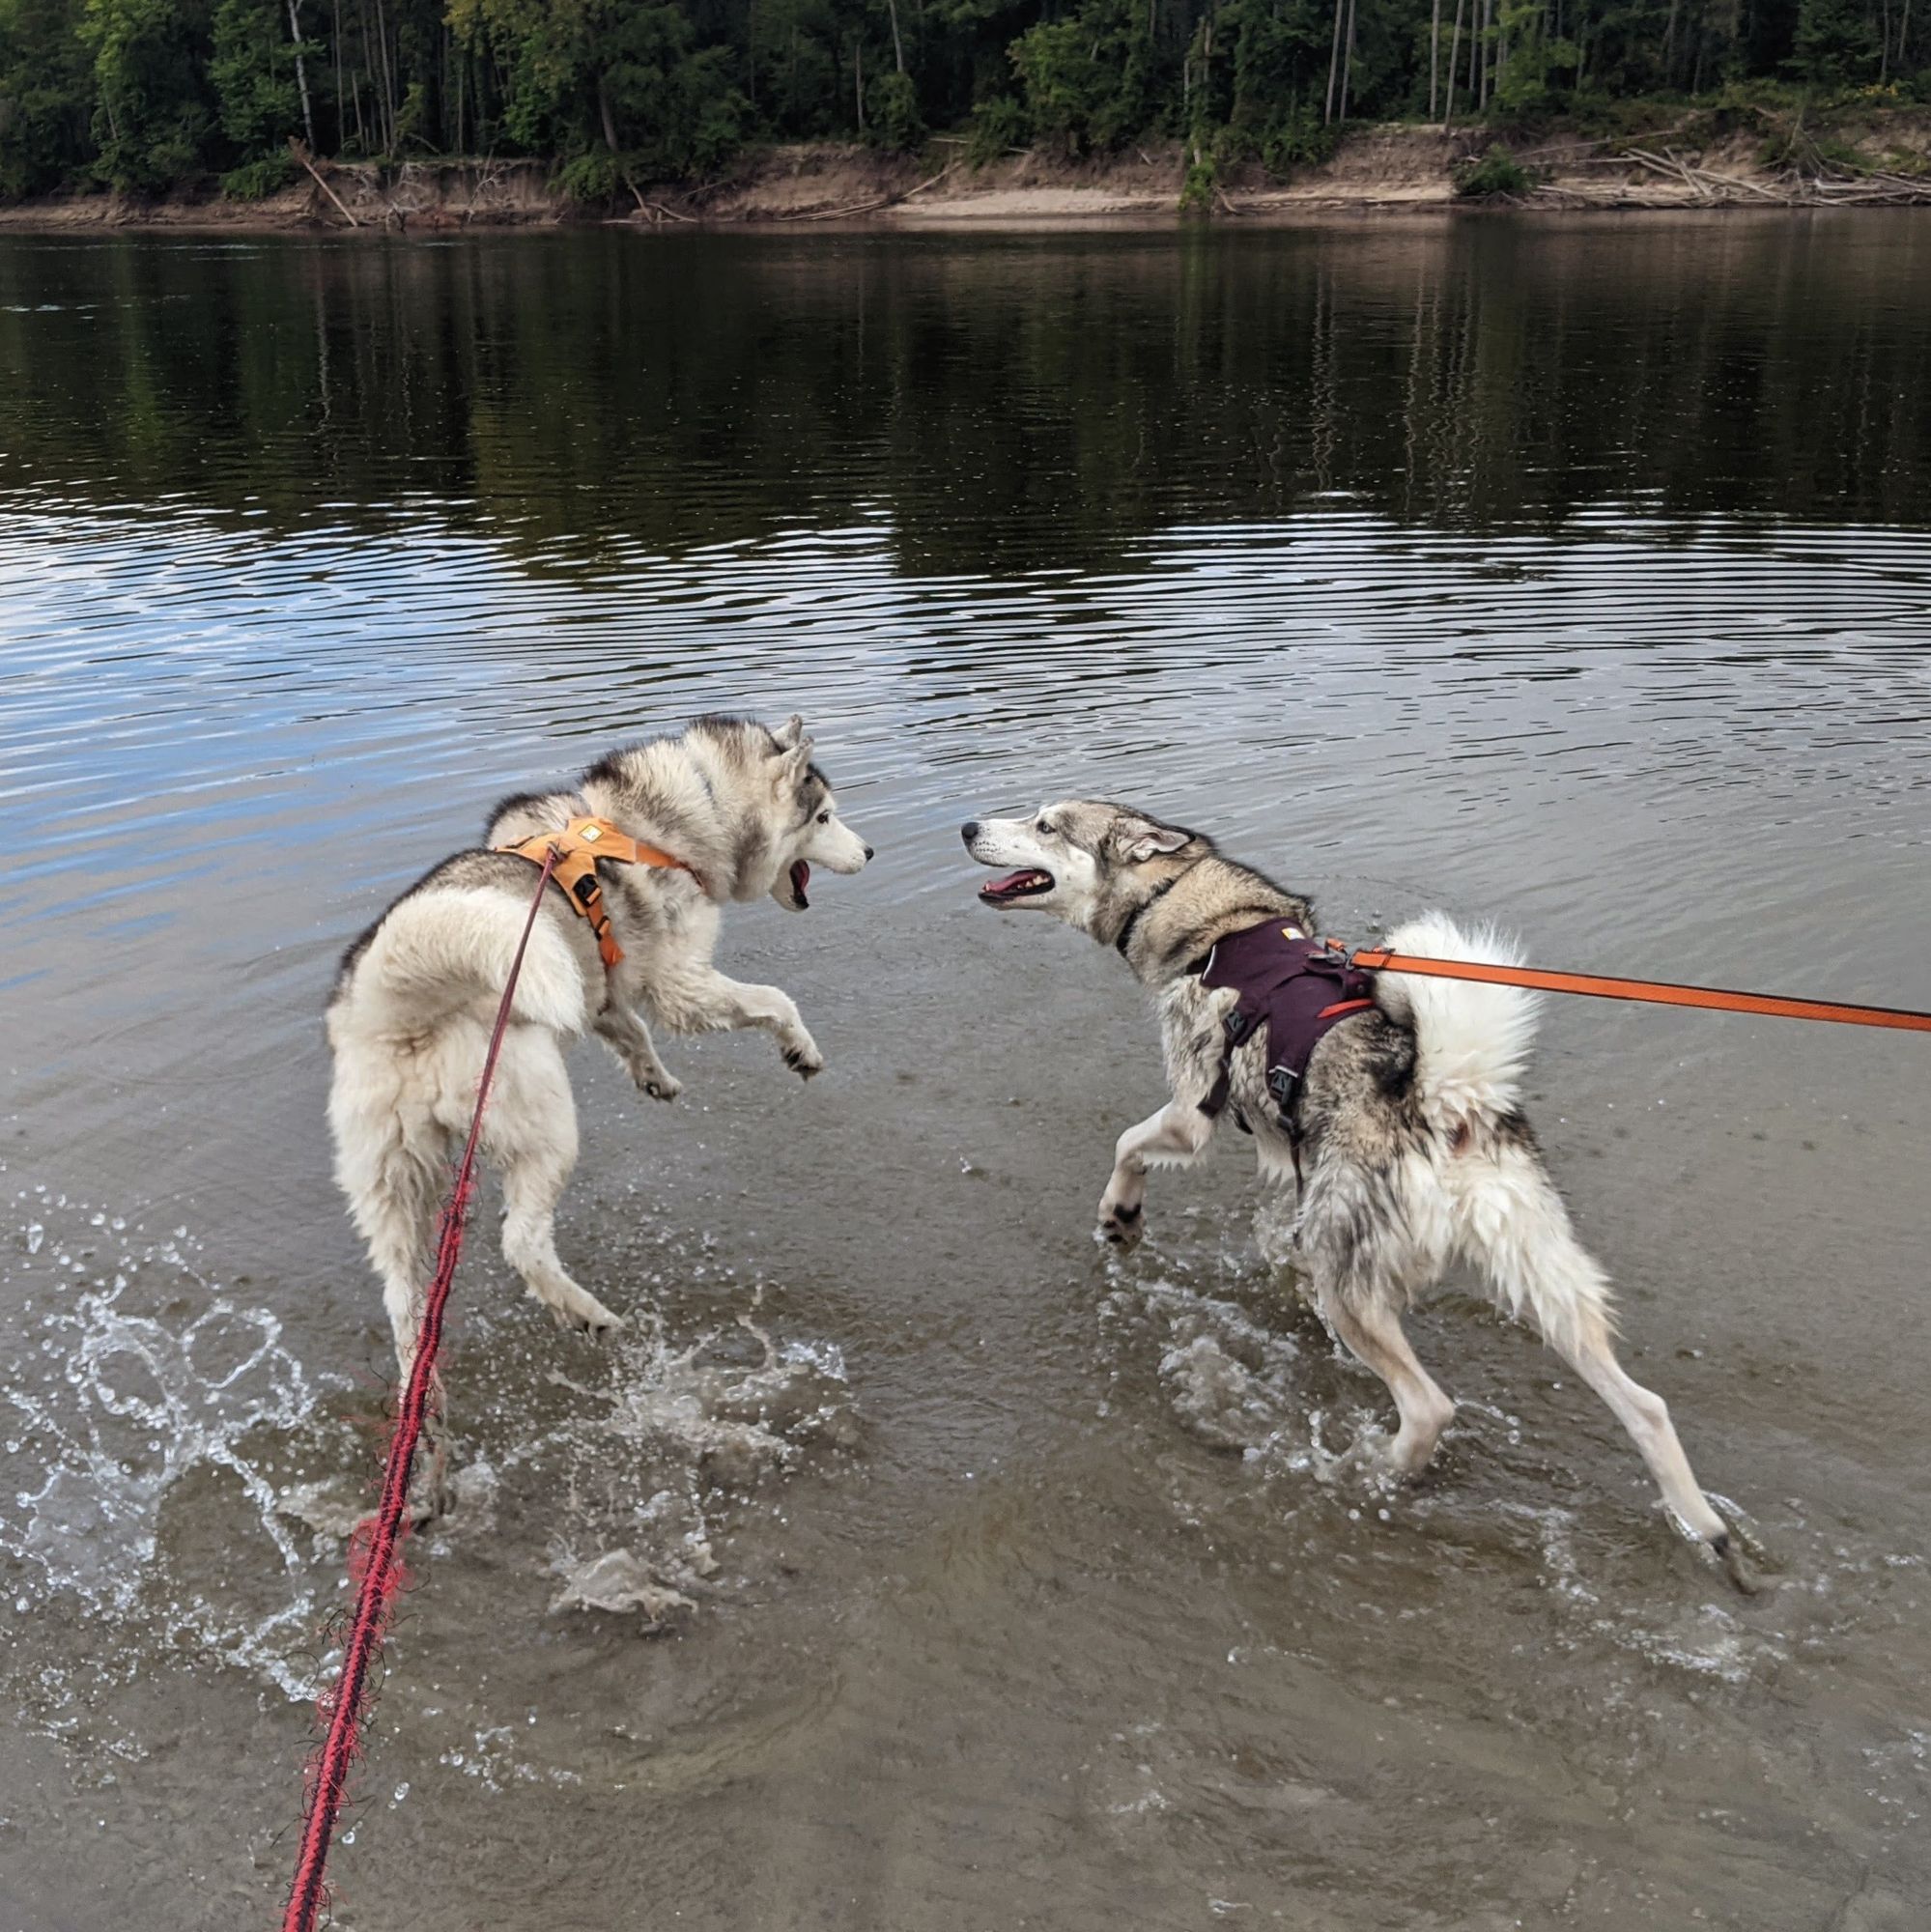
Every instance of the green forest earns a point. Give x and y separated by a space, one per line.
144 96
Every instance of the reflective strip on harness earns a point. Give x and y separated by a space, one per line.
577 848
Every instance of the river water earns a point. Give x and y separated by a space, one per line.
1571 573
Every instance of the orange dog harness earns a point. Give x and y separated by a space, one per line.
577 848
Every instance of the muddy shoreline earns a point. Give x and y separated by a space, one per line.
1391 169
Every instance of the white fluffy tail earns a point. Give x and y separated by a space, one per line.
1473 1040
392 1149
440 954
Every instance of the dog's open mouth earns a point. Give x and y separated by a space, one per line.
800 877
1016 886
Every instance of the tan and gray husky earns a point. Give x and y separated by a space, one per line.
744 809
1406 1123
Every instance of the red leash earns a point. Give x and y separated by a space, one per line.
1657 992
374 1558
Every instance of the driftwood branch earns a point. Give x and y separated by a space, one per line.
870 206
300 153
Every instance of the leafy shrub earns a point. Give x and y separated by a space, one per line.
892 114
997 125
1836 42
46 96
257 180
591 177
1496 173
252 67
1197 190
1296 139
1088 78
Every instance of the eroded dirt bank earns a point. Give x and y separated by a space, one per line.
1880 157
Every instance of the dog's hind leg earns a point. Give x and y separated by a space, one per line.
530 1135
1515 1226
1371 1232
1646 1416
1373 1336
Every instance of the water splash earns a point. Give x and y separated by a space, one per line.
139 1372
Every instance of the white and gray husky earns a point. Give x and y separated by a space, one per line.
1407 1122
743 808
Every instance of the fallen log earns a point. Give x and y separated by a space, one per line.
300 153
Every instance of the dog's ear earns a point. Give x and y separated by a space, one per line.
793 766
791 734
1139 841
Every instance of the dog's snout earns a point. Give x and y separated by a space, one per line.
969 830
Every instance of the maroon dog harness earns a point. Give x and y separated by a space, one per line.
1294 987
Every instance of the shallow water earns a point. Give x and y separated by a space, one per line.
1572 574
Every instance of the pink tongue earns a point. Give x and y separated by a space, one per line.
1010 883
801 875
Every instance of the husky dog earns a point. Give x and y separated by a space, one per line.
744 809
1411 1139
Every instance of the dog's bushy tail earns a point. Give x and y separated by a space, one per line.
437 955
1473 1040
392 1156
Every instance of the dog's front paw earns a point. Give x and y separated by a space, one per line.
1122 1223
585 1314
802 1058
661 1086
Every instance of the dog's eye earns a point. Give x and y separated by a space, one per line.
1047 830
824 818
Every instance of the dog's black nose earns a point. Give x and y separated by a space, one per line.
969 830
869 852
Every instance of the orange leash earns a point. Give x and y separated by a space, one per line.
1657 992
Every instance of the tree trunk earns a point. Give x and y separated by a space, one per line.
1454 52
858 80
302 76
1347 59
1433 54
1334 59
603 113
335 47
1483 46
388 81
897 46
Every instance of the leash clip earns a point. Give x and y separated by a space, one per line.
1333 957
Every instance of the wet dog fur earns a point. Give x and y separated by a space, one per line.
413 1004
1415 1151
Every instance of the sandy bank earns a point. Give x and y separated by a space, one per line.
1881 158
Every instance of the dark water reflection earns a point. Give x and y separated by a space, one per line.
1012 399
1572 574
